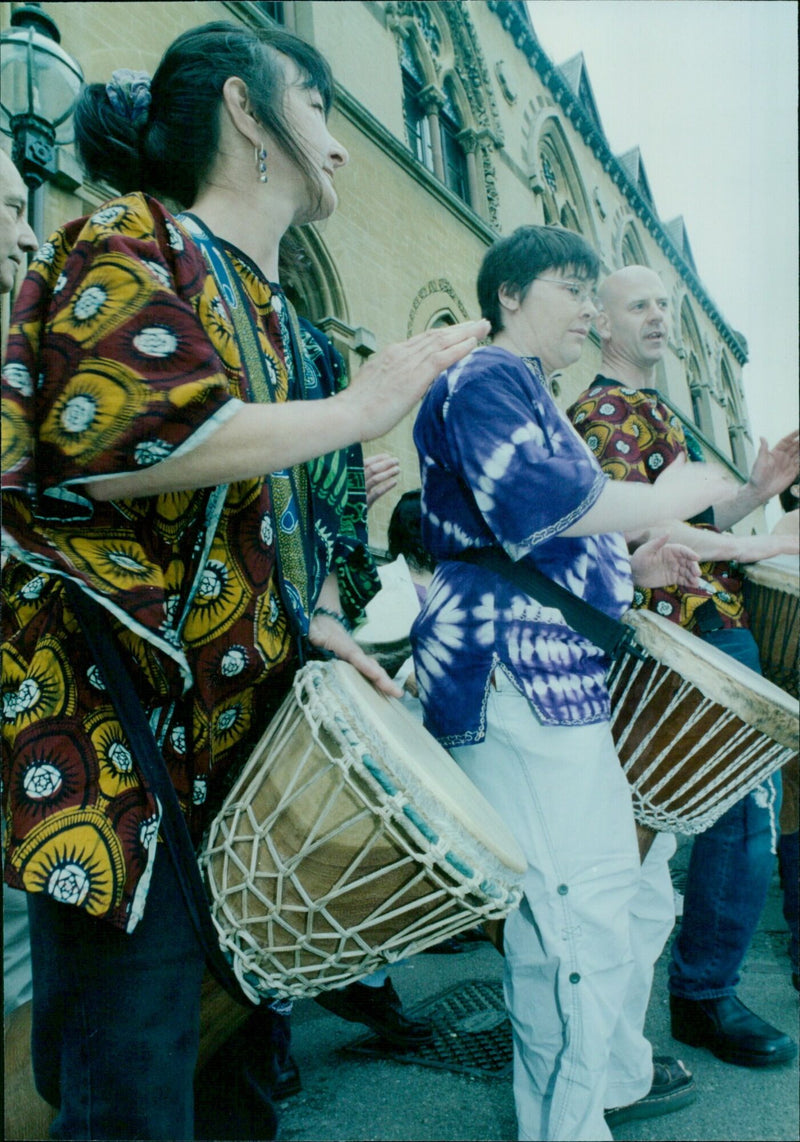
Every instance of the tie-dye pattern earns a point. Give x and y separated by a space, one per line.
501 465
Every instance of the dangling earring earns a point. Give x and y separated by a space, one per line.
261 163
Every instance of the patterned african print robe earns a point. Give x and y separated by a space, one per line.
121 353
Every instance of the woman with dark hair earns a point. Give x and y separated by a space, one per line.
184 452
519 697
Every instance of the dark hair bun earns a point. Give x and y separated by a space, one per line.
108 141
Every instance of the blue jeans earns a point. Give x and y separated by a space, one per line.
730 869
116 1017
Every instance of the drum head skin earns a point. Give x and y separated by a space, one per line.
430 766
780 573
719 677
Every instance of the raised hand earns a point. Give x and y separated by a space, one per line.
774 469
659 563
388 386
380 474
328 634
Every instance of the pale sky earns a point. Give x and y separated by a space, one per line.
708 90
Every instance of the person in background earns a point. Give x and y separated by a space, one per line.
190 498
16 235
789 843
405 538
520 699
16 240
636 438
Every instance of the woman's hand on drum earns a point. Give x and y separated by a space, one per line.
380 475
327 633
390 383
659 563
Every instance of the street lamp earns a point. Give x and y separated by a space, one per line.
39 88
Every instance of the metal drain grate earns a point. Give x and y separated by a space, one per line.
471 1032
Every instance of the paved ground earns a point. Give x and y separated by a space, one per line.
348 1096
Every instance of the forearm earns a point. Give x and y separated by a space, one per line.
633 507
741 504
258 439
710 546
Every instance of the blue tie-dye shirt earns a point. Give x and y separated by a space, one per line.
501 465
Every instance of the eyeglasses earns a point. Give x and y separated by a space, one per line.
577 292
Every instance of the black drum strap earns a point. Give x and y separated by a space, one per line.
615 638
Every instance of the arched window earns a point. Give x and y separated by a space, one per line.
697 376
442 319
569 219
556 178
449 111
418 128
632 250
434 127
454 159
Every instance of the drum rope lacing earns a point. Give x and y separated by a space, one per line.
438 862
689 811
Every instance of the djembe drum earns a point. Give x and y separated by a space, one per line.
772 600
695 730
351 839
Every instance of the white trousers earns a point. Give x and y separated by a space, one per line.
580 950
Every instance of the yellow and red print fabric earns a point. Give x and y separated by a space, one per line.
635 437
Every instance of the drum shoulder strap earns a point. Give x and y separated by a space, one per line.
614 637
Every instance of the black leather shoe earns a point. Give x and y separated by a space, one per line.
378 1008
730 1031
286 1080
232 1101
673 1088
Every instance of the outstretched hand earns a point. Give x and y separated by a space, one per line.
774 469
388 386
380 475
328 634
659 563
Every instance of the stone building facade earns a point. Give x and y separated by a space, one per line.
459 128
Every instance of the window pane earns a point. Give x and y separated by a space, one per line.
417 127
455 161
274 11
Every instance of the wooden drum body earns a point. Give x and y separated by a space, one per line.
695 730
772 599
350 839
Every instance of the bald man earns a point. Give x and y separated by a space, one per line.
635 436
16 239
16 236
